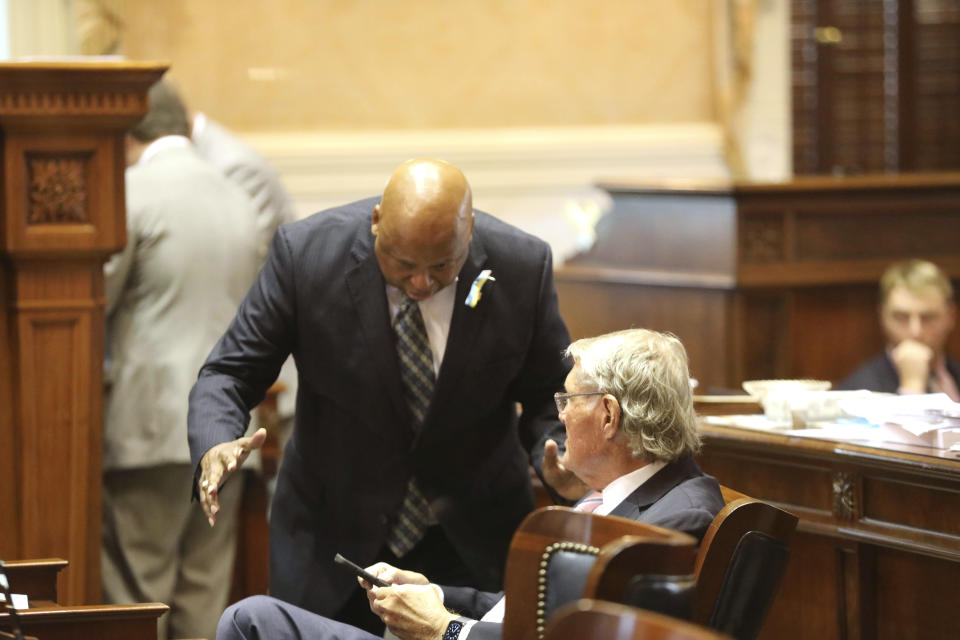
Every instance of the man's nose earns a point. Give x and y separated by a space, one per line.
916 326
421 280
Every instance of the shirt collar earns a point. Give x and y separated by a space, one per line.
199 124
161 144
618 490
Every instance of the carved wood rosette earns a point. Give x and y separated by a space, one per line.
762 239
58 189
62 215
844 495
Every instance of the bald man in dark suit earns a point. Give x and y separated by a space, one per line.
331 293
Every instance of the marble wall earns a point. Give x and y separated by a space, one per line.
289 65
535 99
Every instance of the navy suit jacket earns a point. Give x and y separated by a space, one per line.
679 496
880 374
321 297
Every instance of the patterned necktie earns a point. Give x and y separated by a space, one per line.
417 377
590 503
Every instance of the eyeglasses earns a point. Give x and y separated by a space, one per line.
562 399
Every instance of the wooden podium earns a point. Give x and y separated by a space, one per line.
62 214
759 280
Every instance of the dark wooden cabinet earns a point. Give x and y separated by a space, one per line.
876 85
760 280
877 550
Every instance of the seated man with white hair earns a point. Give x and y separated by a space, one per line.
631 436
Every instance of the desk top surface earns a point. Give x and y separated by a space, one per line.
827 439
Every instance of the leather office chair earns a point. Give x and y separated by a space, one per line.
740 565
611 621
552 554
633 572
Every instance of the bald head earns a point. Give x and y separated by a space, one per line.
423 226
427 191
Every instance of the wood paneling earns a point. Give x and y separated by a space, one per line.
876 85
877 553
760 280
62 215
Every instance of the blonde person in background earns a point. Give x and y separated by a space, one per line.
917 313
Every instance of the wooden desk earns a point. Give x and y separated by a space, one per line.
36 578
877 551
51 621
47 619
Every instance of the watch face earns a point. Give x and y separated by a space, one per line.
453 630
13 622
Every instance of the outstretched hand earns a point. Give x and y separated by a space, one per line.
216 466
563 481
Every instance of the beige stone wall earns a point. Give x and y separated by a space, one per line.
294 65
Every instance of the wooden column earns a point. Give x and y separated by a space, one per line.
62 215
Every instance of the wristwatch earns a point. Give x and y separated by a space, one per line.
453 630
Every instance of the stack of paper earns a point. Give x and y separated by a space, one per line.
931 420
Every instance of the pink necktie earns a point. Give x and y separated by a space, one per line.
591 502
943 381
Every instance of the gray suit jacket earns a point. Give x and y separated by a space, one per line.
679 496
171 292
246 167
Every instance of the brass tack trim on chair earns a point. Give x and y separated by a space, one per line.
542 575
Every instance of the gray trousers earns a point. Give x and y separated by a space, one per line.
266 618
157 546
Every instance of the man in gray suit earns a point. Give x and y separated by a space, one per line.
631 434
190 257
245 167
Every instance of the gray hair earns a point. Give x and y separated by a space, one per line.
647 373
167 115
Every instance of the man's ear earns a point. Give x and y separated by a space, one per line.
611 416
375 219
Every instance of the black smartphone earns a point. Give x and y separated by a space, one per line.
360 571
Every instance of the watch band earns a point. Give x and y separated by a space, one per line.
453 630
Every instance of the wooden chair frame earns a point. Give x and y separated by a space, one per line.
552 525
611 621
742 514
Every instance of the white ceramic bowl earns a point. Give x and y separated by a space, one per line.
759 389
781 399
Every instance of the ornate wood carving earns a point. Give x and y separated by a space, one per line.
762 239
844 500
77 102
58 189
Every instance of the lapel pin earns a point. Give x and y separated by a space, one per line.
474 296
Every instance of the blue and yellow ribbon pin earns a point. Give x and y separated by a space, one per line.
474 296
